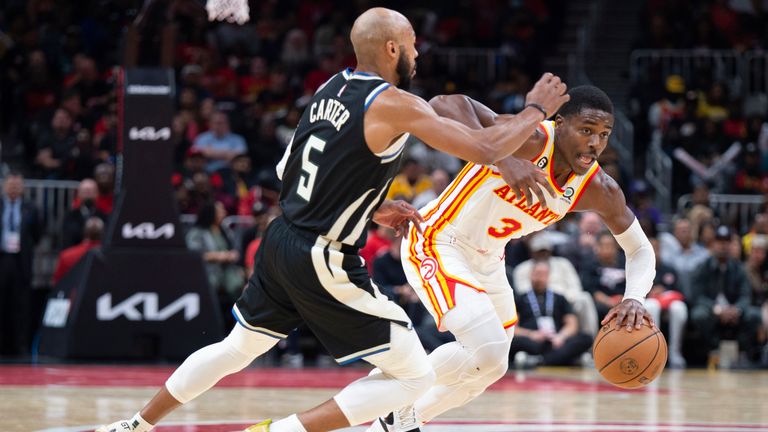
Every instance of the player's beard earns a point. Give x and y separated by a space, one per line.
403 70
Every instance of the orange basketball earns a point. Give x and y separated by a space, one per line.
629 360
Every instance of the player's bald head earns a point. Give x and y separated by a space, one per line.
374 28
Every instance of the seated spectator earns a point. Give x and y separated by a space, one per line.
666 303
206 236
721 299
581 248
56 147
104 175
410 182
563 280
237 182
759 228
389 276
751 179
681 253
606 277
377 243
757 274
219 144
670 107
547 328
93 230
83 208
440 180
262 215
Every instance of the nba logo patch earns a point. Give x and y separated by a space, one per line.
428 268
542 163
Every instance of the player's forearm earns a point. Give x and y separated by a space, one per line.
510 134
495 137
641 261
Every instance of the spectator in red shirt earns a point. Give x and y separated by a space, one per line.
379 239
69 257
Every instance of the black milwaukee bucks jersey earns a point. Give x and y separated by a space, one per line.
332 181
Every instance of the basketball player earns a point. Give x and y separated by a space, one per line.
341 161
456 264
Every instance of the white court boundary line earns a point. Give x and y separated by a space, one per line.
527 426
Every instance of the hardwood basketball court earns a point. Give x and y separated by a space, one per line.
75 398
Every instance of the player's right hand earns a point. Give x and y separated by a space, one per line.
549 92
525 179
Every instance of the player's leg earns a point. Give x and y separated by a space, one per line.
354 320
262 321
477 359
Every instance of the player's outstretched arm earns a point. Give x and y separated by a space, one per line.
605 197
525 178
395 112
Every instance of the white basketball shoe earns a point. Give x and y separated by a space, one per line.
118 426
402 420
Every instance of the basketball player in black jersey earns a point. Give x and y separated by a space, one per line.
335 173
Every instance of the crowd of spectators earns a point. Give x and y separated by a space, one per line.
241 91
710 122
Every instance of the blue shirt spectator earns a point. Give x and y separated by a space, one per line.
219 144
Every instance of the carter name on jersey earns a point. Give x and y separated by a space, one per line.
331 110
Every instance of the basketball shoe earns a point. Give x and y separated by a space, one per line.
259 427
119 426
402 420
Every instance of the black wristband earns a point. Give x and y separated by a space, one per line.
538 107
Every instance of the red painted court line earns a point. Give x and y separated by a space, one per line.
154 376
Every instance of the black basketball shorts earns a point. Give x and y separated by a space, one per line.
302 277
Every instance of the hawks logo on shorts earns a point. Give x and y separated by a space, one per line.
428 268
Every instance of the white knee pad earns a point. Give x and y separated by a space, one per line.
403 374
491 361
206 366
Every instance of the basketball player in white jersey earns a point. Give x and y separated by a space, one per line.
456 263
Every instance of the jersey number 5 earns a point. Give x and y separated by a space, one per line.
510 227
307 177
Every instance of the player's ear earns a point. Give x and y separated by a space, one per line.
559 120
392 48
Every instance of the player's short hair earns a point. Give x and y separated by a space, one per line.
586 97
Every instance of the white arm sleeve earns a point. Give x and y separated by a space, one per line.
641 261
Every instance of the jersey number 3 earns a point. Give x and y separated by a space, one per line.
510 227
309 174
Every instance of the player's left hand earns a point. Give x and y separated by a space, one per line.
525 179
629 313
396 215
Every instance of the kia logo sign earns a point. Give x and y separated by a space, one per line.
148 231
144 306
149 133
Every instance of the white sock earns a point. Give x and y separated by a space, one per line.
138 424
288 424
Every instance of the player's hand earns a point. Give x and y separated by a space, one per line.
629 313
396 215
525 179
549 92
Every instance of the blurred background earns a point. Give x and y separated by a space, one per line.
689 80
